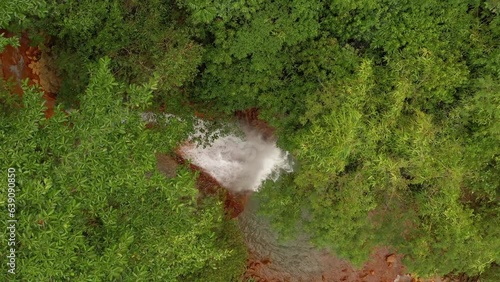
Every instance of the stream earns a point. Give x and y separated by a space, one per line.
242 162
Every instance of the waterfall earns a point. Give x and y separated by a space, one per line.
240 162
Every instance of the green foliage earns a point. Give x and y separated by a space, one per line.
140 38
402 150
16 16
91 204
391 109
8 103
250 37
492 275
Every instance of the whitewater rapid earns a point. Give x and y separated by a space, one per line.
240 162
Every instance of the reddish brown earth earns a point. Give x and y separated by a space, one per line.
19 63
383 266
250 118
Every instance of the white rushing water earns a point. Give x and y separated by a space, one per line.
239 163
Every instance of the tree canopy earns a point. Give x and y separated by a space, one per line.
390 109
91 203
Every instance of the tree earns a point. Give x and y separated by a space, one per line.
141 38
91 204
390 108
404 151
250 37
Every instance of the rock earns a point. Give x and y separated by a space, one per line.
403 278
391 258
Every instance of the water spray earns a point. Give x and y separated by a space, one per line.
240 162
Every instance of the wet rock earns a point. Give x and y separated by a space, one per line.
390 258
403 278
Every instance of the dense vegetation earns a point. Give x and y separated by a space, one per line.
391 109
91 205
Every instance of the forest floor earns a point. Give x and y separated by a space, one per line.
28 62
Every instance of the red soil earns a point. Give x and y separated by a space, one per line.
383 266
15 64
250 117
